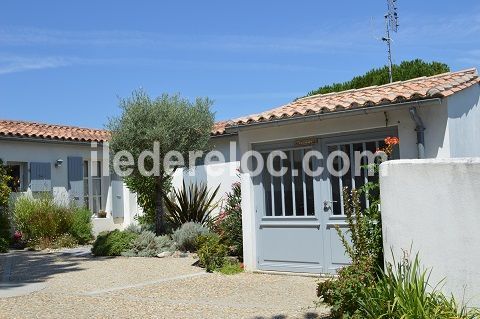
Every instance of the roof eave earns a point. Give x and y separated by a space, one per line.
233 129
47 140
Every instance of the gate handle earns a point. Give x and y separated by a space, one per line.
327 204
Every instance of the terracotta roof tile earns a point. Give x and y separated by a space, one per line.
68 133
50 131
219 128
441 85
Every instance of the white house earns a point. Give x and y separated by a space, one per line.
289 221
59 159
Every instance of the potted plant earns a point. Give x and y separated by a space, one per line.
102 214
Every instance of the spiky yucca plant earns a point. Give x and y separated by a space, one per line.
194 203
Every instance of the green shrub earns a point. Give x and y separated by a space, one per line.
113 243
5 231
5 234
81 228
41 221
211 253
5 190
229 223
64 241
231 268
185 237
4 245
365 251
149 245
345 293
192 204
164 243
40 218
134 228
404 291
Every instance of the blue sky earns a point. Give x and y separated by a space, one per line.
68 62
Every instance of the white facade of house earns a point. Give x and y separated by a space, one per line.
114 198
452 130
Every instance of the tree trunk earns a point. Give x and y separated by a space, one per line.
159 209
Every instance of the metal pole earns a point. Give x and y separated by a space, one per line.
388 40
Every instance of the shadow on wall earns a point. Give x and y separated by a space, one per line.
20 268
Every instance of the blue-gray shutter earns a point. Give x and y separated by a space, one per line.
40 171
75 169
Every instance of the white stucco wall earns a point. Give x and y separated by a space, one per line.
41 151
464 122
215 174
434 207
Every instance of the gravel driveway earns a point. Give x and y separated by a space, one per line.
72 284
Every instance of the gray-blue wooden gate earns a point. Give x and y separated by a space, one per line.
297 215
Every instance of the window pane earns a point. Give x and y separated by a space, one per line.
99 203
15 182
347 177
267 188
298 181
373 146
85 169
97 186
309 187
98 169
277 191
360 178
85 192
287 186
335 184
95 206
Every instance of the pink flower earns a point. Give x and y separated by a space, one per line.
17 235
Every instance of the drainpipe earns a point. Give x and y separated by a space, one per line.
420 129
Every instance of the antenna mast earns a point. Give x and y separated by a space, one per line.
391 23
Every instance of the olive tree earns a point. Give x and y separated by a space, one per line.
173 124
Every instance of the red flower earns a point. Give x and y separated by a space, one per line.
392 140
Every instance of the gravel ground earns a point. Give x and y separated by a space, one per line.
80 286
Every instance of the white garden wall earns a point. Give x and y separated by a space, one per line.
215 174
434 207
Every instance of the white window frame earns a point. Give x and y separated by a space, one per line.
23 172
91 178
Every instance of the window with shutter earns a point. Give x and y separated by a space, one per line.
40 177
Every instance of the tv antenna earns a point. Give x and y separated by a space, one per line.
391 24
